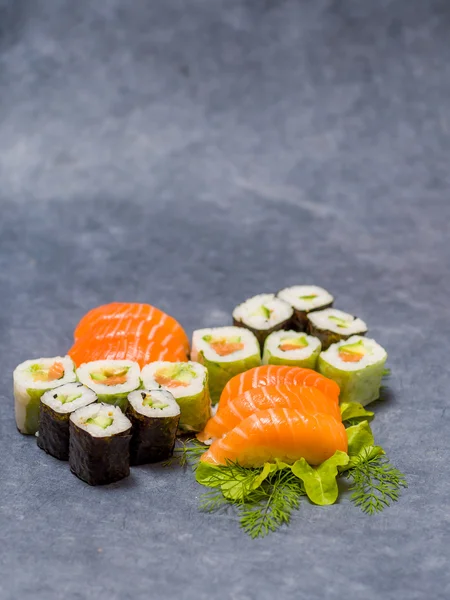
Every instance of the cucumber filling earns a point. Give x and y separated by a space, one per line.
287 344
110 375
340 322
310 297
353 352
102 421
147 400
65 398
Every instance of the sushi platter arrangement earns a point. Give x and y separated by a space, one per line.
267 410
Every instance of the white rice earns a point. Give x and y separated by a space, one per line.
375 354
321 320
251 345
276 338
132 377
51 398
120 421
197 384
137 398
247 312
295 296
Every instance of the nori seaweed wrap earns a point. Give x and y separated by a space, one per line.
55 408
262 315
154 415
305 299
332 326
99 450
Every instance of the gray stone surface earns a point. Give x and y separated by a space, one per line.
190 153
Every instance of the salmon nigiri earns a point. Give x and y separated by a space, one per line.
277 374
129 347
283 433
308 400
118 315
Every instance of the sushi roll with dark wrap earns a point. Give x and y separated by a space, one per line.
305 299
55 408
332 326
99 450
155 415
262 315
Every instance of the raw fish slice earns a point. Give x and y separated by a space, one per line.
307 400
277 374
127 348
118 314
283 433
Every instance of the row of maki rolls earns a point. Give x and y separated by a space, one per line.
298 326
110 414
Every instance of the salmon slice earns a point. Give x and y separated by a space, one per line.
307 400
127 348
119 316
56 371
277 374
283 433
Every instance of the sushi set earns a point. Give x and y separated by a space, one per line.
270 408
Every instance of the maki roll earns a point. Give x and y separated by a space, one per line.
55 408
99 448
225 352
188 383
291 348
154 415
263 314
111 380
33 378
305 299
332 325
357 366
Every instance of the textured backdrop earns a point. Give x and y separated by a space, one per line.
191 153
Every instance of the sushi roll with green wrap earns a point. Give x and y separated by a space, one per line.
357 366
188 383
225 352
55 408
262 315
111 380
99 447
332 325
305 299
32 379
292 348
155 416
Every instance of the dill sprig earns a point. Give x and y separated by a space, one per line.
375 482
187 451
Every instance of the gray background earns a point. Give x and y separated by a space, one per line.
191 153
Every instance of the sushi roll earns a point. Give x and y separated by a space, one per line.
99 447
332 325
262 315
155 416
356 365
55 408
33 378
291 348
305 299
188 383
111 380
225 352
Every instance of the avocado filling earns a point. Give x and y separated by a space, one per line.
65 398
288 344
352 352
262 311
102 421
176 375
224 346
41 373
147 400
340 322
110 375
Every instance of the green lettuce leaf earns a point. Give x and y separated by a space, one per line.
359 436
354 411
320 482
